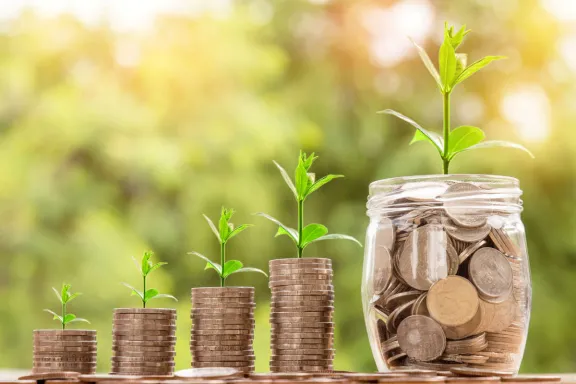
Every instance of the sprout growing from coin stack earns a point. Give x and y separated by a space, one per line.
223 317
64 349
302 291
144 338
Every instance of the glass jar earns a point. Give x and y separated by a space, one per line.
446 282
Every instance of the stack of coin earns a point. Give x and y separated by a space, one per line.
64 350
302 315
223 328
143 341
449 268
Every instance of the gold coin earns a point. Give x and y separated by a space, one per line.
421 338
467 371
465 330
452 301
500 316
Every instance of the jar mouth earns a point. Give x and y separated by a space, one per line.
495 193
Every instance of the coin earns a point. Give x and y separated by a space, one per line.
421 338
491 274
305 336
64 333
213 292
458 200
467 235
206 364
300 261
531 379
51 376
160 311
216 332
504 243
208 373
501 315
469 251
398 315
467 371
452 301
137 337
42 349
423 260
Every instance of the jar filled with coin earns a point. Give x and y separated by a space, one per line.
446 281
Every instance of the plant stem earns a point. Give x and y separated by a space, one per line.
63 315
446 120
222 262
300 226
144 293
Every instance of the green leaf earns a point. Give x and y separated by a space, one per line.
239 229
456 39
500 143
209 262
135 292
156 266
312 232
291 232
464 137
461 62
150 294
319 183
447 60
287 179
337 237
281 231
73 296
243 270
230 267
68 318
428 64
79 319
213 227
223 224
432 137
65 295
145 266
475 67
302 181
419 136
164 296
57 294
56 316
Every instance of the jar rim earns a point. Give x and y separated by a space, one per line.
476 177
395 195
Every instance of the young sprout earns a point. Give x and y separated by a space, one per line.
305 184
453 70
224 233
65 296
145 267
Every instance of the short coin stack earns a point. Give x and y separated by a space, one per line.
223 328
301 315
143 341
64 350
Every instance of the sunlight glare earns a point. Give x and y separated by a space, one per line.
564 10
391 27
528 108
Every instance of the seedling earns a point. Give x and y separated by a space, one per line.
145 267
303 186
453 70
224 233
65 296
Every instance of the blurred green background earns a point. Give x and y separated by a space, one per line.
121 122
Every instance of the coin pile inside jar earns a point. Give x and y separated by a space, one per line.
450 282
64 350
143 341
223 328
301 315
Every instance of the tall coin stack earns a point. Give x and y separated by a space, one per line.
64 350
143 341
223 328
301 315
